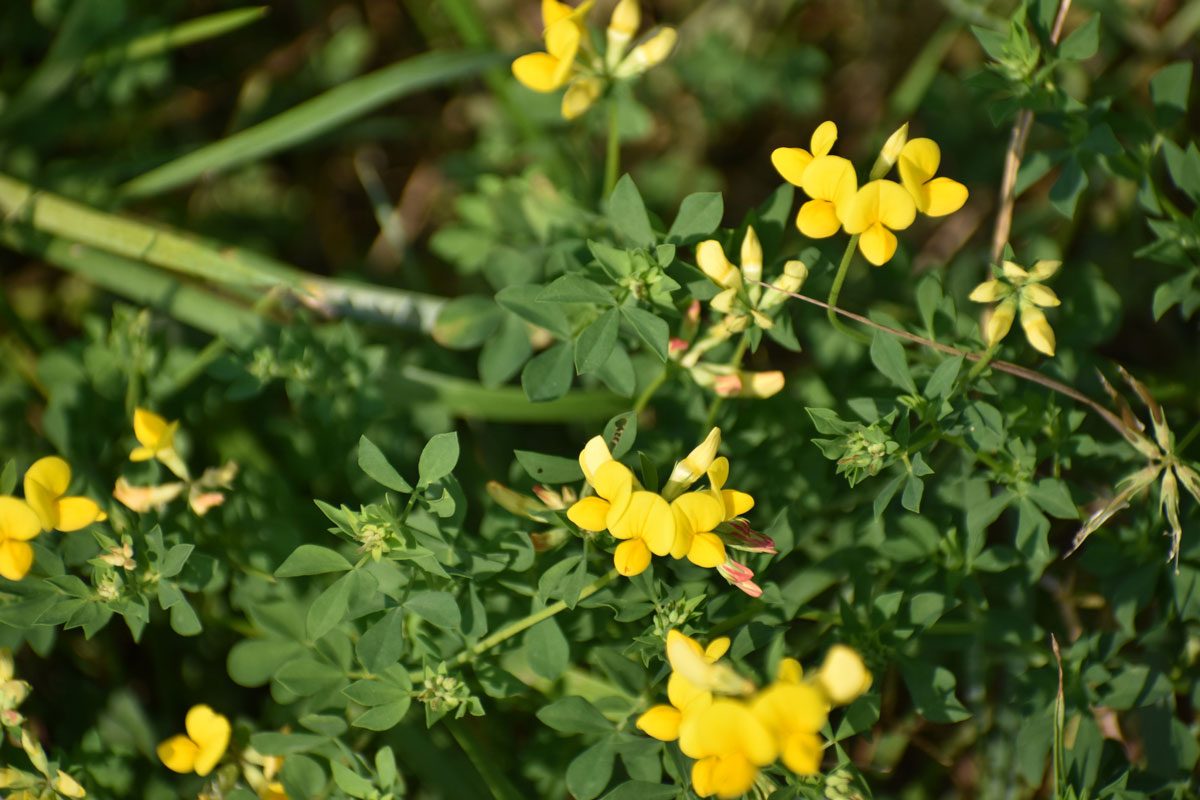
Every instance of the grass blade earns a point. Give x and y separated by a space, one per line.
192 31
313 117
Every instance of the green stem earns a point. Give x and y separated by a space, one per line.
645 396
836 290
612 156
982 363
736 363
521 625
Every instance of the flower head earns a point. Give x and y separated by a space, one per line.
792 162
1020 291
563 30
878 208
935 197
156 438
46 482
18 524
201 747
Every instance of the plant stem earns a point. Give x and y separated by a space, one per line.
836 290
645 396
612 156
509 631
1003 366
982 363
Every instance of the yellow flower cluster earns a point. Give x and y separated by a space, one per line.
156 440
1020 291
46 507
696 525
732 730
880 206
571 60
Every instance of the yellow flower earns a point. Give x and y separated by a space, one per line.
45 484
18 524
622 25
791 162
879 208
843 676
689 470
157 439
563 32
202 747
67 786
794 713
1021 292
580 96
649 53
729 744
935 197
686 656
831 183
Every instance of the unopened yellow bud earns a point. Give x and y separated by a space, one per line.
793 277
580 96
723 301
1000 321
843 676
648 54
65 785
697 462
890 152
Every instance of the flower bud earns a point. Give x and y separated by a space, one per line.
723 301
752 258
580 96
843 676
623 24
694 465
1000 321
793 277
67 786
713 263
648 54
890 152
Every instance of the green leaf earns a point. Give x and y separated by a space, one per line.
175 560
183 619
614 261
522 301
887 354
439 608
504 354
307 676
617 372
628 214
309 119
1054 498
653 331
351 782
620 433
374 693
575 289
374 463
324 724
8 478
549 469
596 342
547 649
466 322
932 690
642 790
1072 181
1083 41
302 778
252 662
699 215
382 718
438 458
590 771
270 743
574 715
941 382
548 375
330 607
311 559
914 489
382 644
1169 89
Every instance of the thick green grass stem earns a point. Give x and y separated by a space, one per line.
836 290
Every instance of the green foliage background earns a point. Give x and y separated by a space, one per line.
316 237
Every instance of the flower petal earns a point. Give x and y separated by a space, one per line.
590 513
843 675
148 427
51 472
77 512
661 722
830 178
1040 295
698 512
1000 321
896 207
562 40
707 551
18 521
611 479
736 503
178 753
818 219
1014 271
877 244
43 502
210 731
989 291
1042 270
594 453
727 727
710 257
790 163
654 521
802 752
726 776
631 558
579 96
538 71
823 138
15 559
942 196
553 11
919 160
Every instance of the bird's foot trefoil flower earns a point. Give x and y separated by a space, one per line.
156 439
201 747
46 483
1020 292
18 524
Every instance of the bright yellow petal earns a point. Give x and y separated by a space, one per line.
210 731
579 96
631 558
790 671
77 512
790 163
148 427
43 502
51 472
1014 272
717 648
661 722
843 675
703 781
726 776
710 257
178 753
654 521
15 559
801 753
594 453
863 209
718 473
1037 330
830 178
942 196
919 160
1043 270
707 551
727 726
699 512
1000 322
896 207
823 138
752 255
784 708
877 244
682 692
589 513
611 478
538 71
562 41
141 454
818 219
553 11
1040 295
736 503
18 522
989 291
